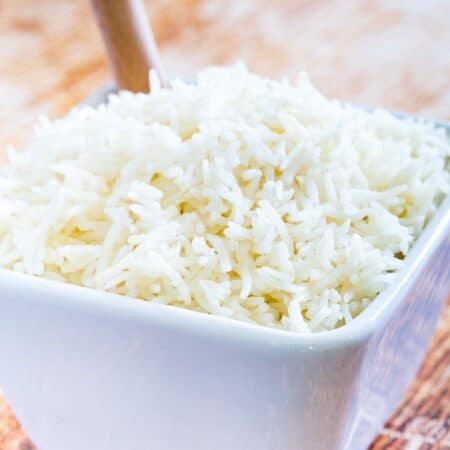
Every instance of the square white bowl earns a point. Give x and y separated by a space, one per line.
84 369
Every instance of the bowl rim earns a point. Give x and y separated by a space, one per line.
373 318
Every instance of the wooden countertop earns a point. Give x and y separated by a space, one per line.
390 53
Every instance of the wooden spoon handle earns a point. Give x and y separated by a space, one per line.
129 42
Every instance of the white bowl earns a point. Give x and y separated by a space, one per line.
84 369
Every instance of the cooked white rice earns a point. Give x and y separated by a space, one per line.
237 196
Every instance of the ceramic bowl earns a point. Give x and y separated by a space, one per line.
84 369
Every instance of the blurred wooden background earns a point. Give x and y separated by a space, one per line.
392 53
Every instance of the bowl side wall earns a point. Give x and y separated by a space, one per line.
88 378
396 350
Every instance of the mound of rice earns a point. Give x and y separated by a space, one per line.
238 196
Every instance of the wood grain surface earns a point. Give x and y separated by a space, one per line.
388 53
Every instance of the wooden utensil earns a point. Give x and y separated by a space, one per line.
129 42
